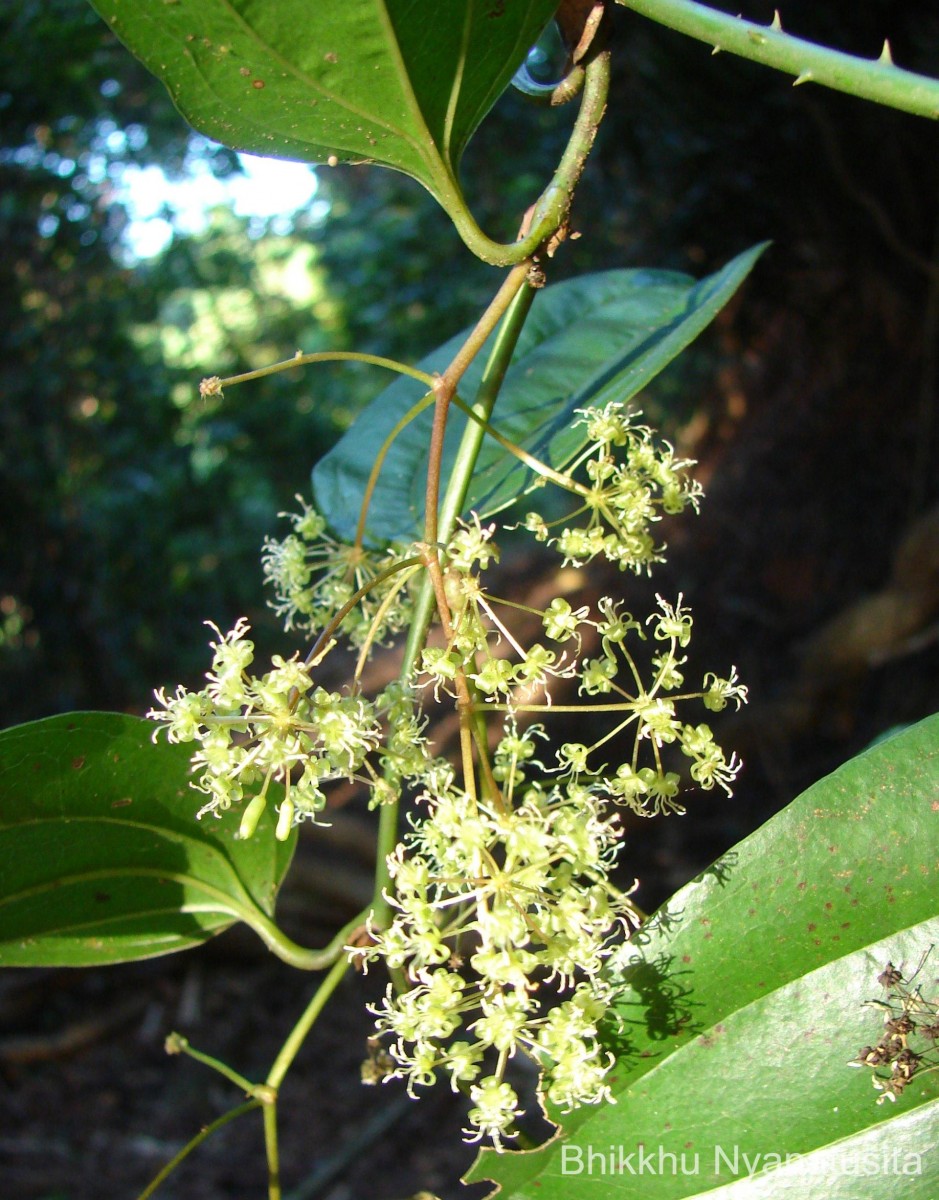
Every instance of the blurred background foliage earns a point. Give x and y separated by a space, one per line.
132 510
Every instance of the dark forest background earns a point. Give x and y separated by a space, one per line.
131 510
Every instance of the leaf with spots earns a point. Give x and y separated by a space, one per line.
102 859
742 1003
403 83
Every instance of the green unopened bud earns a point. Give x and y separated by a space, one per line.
284 821
251 816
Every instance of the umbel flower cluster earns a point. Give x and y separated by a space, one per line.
314 578
503 908
497 901
631 481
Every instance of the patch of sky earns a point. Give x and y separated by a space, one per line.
268 189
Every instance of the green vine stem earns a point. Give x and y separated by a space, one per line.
440 520
445 389
177 1044
267 1093
288 1051
550 211
500 356
877 79
215 385
481 409
194 1143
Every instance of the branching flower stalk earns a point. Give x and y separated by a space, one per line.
498 908
496 912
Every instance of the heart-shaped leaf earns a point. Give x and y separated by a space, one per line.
743 1002
103 860
586 341
398 82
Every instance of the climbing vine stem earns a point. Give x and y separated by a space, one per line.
877 79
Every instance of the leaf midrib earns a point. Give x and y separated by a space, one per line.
227 904
162 832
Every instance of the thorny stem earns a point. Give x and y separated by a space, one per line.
874 79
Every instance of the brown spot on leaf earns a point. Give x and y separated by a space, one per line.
258 83
77 763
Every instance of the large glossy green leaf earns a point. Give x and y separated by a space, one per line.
102 859
743 1003
399 82
586 341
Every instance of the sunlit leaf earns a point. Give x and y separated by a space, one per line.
102 857
586 341
743 1003
398 82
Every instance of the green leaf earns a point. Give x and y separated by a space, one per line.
743 1004
586 341
398 82
103 858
